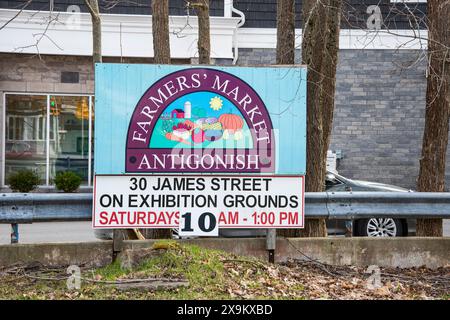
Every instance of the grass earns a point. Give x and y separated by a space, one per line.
211 274
203 269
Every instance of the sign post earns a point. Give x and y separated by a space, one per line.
200 149
271 242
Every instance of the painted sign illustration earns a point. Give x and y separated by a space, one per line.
200 119
191 119
199 148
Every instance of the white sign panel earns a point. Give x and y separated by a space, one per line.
198 224
207 201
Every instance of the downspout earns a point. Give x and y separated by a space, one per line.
239 24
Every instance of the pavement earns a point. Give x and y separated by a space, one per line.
79 231
75 231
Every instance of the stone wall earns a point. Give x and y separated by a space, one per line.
404 252
379 112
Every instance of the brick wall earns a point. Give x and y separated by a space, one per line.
28 73
379 112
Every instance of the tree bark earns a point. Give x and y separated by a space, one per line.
329 71
161 52
204 41
160 28
285 31
435 138
94 11
320 45
286 56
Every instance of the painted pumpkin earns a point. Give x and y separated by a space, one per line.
231 122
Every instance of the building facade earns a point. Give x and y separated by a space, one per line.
47 81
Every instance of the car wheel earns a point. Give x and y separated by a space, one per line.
379 227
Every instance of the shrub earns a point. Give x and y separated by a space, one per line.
23 181
67 181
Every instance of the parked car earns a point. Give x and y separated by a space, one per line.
373 227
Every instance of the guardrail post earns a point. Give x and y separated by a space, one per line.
117 245
14 233
271 240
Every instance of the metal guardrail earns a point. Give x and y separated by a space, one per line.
354 205
37 207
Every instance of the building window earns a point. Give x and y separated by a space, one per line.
25 146
48 134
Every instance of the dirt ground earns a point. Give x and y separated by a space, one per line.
189 272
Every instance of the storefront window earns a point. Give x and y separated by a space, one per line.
25 133
92 141
69 126
69 135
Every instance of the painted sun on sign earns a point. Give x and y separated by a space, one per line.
216 103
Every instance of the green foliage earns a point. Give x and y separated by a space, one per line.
203 269
23 181
67 181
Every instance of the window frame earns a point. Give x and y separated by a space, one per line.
47 135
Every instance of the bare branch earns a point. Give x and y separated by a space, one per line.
16 15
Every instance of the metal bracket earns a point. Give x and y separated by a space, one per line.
271 242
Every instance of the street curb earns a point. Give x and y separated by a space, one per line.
386 252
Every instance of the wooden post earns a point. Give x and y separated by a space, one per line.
118 237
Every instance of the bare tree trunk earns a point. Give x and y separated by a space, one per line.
160 26
320 45
204 41
285 31
286 56
92 6
329 71
161 51
435 137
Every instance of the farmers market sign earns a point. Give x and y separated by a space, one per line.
199 147
200 120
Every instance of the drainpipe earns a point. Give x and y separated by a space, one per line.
228 4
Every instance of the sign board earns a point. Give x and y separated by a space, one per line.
201 124
155 201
